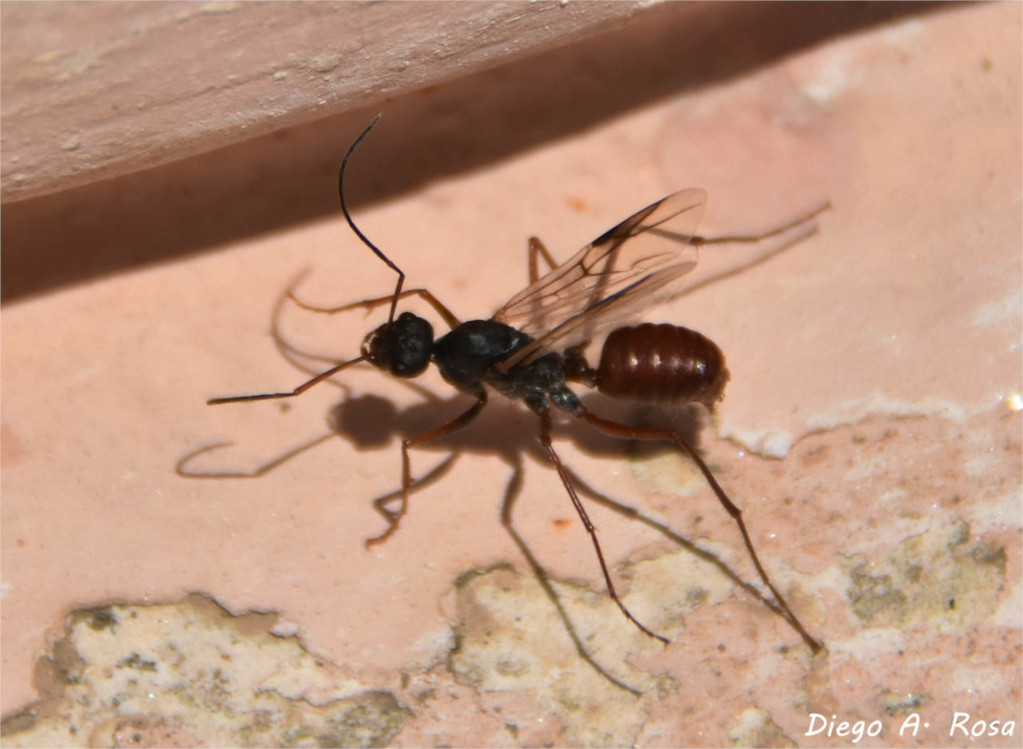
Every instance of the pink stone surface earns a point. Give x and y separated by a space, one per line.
93 91
881 357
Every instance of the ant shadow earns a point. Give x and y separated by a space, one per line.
371 422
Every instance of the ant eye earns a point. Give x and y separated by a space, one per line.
402 347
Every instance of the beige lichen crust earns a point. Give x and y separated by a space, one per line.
907 558
949 582
754 727
189 674
511 639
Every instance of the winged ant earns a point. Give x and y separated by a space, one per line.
533 347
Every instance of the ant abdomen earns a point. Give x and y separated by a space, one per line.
661 364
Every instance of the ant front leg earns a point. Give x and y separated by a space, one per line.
367 304
327 374
393 517
669 435
371 304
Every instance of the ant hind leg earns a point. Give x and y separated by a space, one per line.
669 435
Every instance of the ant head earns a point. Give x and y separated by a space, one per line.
401 347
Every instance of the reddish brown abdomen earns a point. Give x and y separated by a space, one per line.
661 364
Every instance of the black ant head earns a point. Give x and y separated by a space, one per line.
401 347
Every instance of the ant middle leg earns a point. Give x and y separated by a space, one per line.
669 435
545 440
536 247
393 517
511 494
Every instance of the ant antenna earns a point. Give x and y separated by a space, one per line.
358 232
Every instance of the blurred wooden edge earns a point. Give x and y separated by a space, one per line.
97 90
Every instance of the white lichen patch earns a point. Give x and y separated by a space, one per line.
190 673
770 443
881 404
754 727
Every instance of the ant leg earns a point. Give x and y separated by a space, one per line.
432 476
786 245
536 247
406 469
632 513
290 394
182 470
545 440
748 238
369 304
669 435
511 494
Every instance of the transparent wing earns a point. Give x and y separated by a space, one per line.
616 275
